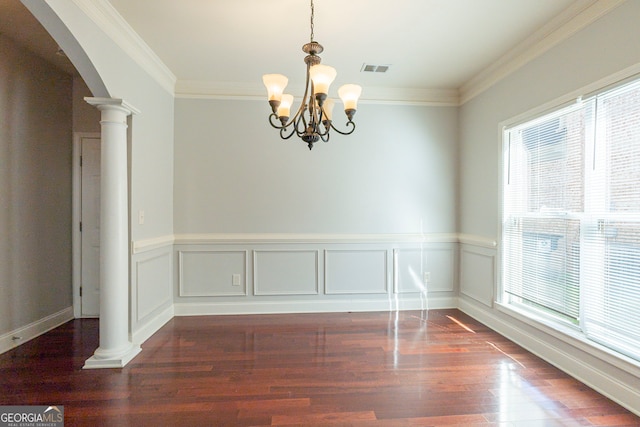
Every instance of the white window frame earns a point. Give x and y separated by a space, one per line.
553 326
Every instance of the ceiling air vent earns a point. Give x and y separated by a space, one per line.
371 68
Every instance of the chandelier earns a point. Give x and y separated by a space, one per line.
312 122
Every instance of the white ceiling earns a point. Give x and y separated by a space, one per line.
431 45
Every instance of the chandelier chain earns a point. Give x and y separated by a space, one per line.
312 13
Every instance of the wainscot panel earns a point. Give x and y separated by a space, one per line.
426 269
153 283
478 273
212 272
356 271
285 272
152 288
151 291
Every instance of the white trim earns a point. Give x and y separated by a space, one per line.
576 17
152 326
394 303
192 89
567 359
119 360
570 332
122 105
145 245
76 216
295 238
105 16
26 333
474 240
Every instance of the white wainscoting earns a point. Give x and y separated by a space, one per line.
151 290
312 273
478 271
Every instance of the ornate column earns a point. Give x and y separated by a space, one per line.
116 350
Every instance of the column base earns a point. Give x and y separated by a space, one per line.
112 360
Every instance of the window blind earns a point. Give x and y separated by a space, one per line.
611 264
571 217
542 207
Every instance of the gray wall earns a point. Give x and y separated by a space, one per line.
86 117
320 230
233 174
35 188
606 47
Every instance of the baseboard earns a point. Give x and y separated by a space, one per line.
572 363
34 329
308 306
152 326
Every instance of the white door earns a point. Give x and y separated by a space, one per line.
90 227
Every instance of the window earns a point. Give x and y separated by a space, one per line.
571 217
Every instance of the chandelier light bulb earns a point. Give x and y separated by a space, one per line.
349 95
285 105
275 84
327 108
322 76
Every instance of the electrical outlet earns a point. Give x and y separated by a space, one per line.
235 280
140 217
426 277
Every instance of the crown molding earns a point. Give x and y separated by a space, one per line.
371 95
570 21
103 14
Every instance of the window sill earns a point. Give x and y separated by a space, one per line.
572 336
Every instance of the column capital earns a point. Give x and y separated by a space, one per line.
115 103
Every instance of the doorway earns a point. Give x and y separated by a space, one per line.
86 225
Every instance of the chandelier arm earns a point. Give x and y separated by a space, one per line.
297 117
283 134
274 120
349 132
276 125
281 128
323 127
302 120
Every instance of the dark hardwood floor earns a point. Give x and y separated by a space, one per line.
409 368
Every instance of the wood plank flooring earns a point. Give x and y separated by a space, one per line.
408 368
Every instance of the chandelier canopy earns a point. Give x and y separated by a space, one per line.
312 122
